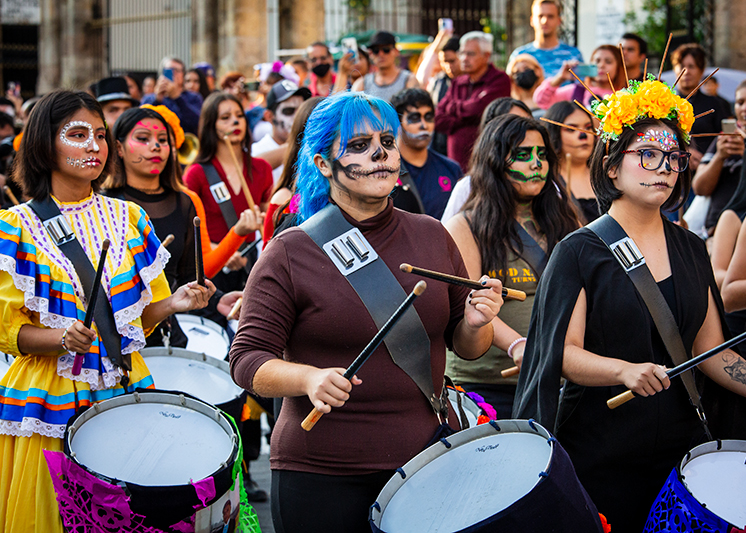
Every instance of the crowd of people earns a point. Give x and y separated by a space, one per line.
514 178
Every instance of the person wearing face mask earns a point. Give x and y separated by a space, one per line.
303 322
322 76
283 101
525 76
432 174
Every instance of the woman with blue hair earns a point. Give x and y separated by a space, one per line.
304 320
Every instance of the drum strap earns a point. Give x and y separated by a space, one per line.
532 252
61 234
630 258
380 293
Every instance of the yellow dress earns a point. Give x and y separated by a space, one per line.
40 287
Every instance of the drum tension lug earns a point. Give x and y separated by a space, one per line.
96 408
401 472
137 396
73 455
182 400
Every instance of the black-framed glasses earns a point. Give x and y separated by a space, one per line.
652 159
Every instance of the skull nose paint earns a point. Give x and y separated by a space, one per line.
379 154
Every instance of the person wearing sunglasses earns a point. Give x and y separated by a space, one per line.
388 79
432 175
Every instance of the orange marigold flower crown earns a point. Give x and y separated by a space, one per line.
172 120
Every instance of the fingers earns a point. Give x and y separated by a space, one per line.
488 299
329 388
647 379
79 338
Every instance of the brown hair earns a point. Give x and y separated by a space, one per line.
555 3
208 135
690 49
619 80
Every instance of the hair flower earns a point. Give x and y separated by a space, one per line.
172 120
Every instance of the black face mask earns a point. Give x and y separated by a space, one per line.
321 69
526 79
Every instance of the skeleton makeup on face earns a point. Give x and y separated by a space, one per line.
529 163
665 139
79 144
82 163
284 116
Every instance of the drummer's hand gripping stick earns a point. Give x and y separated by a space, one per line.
315 415
624 397
78 363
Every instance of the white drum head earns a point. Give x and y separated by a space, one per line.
450 489
197 374
154 442
204 336
5 362
470 407
717 479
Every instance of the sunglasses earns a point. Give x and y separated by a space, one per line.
385 49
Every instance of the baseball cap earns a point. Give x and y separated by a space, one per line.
205 68
284 89
382 38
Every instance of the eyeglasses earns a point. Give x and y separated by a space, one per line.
385 49
652 159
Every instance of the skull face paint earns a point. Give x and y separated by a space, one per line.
81 147
418 125
284 116
529 163
146 149
79 144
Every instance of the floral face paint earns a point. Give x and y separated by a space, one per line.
84 143
528 164
665 139
146 148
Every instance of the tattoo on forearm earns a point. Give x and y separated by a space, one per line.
734 366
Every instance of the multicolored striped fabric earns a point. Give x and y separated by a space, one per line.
40 287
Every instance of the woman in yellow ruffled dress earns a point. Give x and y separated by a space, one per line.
65 155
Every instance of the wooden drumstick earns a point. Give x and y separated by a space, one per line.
244 187
510 294
10 195
169 239
626 396
198 252
78 362
315 414
236 308
512 371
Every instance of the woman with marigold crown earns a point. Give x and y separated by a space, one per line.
591 326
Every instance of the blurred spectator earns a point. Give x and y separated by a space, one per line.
388 79
196 82
283 102
432 174
301 69
7 128
711 88
169 91
549 51
268 75
209 73
351 70
458 113
525 76
429 65
608 60
635 50
440 83
692 58
7 107
234 83
114 97
148 85
134 86
322 75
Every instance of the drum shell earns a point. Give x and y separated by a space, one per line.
558 502
162 506
204 336
5 362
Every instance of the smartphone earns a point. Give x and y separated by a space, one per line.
445 24
251 85
728 125
168 73
585 70
14 88
349 45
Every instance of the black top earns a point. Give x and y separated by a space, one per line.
708 124
588 208
726 186
622 456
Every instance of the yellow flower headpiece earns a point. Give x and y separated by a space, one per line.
172 120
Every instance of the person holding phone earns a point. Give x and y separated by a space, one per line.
605 60
169 91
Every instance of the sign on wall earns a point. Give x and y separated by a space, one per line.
609 21
20 12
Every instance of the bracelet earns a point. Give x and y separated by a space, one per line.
514 344
64 335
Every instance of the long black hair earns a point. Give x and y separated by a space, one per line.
491 207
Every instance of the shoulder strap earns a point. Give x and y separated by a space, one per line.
532 252
408 183
61 234
379 291
221 194
630 258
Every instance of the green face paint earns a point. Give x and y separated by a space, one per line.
529 163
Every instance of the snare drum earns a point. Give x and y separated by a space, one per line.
171 452
507 476
203 377
706 492
204 336
5 362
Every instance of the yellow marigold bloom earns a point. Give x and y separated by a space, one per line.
686 115
655 99
172 120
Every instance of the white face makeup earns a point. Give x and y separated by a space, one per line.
284 117
79 144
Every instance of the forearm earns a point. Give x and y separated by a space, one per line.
156 312
728 370
279 378
589 369
707 177
472 343
36 340
503 335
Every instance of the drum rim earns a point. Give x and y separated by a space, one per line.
469 405
456 440
196 319
180 399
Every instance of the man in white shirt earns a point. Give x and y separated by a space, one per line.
283 102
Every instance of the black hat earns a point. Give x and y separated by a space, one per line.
284 89
382 38
110 89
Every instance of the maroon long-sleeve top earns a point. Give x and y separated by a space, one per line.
299 307
459 112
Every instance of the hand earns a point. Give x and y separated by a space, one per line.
248 222
327 387
227 302
79 338
191 296
483 305
645 379
236 262
346 64
518 350
728 145
564 73
162 88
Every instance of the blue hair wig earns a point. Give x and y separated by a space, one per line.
342 116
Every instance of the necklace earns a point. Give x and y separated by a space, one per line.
157 190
